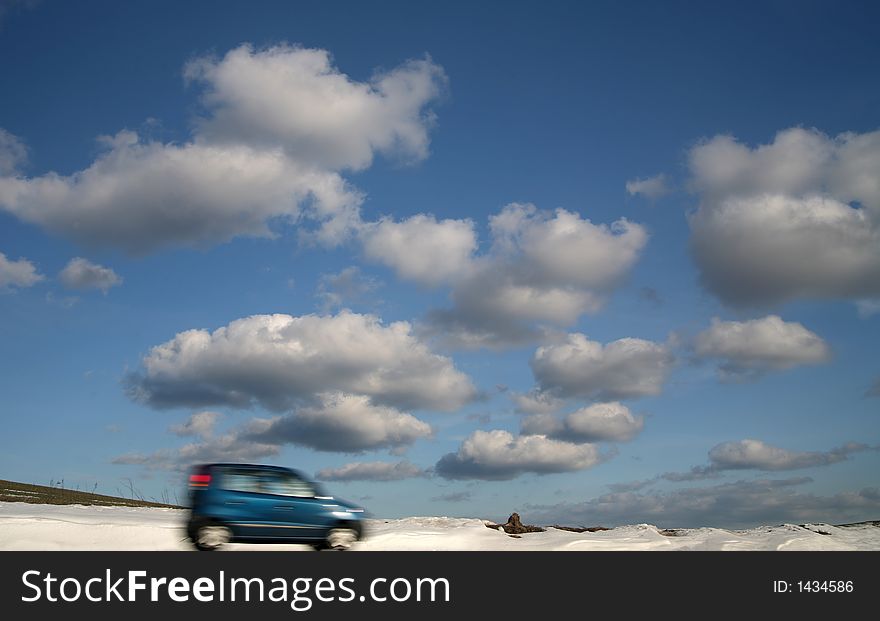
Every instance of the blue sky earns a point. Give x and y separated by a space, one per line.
425 199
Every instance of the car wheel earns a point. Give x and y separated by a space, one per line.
341 538
210 537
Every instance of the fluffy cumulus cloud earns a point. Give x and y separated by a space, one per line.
498 455
610 422
372 471
623 369
741 504
543 268
747 349
344 383
142 195
19 273
751 454
278 129
342 423
297 98
280 361
651 187
81 273
796 218
421 248
336 422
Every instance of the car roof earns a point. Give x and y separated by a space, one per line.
240 465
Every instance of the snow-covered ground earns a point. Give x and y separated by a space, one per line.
26 526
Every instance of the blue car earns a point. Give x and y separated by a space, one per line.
266 504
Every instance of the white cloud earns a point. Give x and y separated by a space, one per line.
421 248
742 504
608 422
228 447
751 348
772 248
81 273
797 218
498 455
751 454
491 310
346 378
141 196
345 287
542 268
796 162
13 153
21 273
623 369
199 424
341 423
565 249
372 471
280 361
296 98
334 422
536 402
650 187
281 124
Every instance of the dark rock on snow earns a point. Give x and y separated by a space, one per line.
514 526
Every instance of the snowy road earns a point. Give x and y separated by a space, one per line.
75 527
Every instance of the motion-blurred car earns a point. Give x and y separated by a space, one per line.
266 504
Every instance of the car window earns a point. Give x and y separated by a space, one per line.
287 484
240 481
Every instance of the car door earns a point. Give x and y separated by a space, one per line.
297 513
245 508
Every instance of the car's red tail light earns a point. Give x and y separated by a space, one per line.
199 480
